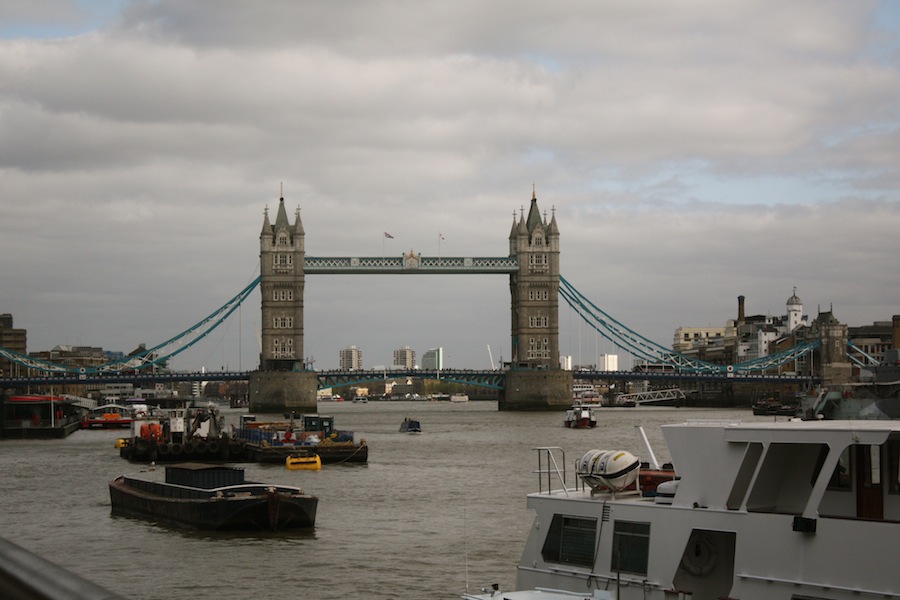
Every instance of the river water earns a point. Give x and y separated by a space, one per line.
427 517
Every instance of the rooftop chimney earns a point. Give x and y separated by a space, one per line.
740 320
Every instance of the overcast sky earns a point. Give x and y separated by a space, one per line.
694 151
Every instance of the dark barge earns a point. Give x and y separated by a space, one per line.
213 497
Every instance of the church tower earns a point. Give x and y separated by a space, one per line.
535 290
794 311
281 262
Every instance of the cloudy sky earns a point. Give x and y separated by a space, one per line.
693 151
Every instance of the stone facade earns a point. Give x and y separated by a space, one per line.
281 391
531 390
534 242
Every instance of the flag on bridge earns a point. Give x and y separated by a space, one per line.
387 235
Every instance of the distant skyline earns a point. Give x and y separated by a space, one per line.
693 152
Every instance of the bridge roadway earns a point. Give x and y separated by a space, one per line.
485 378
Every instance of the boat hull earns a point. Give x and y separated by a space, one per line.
234 508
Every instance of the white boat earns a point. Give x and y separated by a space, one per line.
580 417
459 397
776 510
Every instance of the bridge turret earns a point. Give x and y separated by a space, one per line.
267 235
281 267
535 291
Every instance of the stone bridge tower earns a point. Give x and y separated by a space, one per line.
535 380
282 381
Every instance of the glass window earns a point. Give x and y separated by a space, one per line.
893 465
840 479
631 547
570 540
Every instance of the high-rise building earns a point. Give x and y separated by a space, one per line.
11 339
351 359
405 358
608 362
433 359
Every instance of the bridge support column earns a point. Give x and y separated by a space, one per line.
283 391
536 390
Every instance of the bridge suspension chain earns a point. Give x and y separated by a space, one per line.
641 347
154 356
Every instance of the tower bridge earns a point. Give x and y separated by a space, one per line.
533 380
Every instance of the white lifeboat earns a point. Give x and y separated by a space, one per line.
608 470
665 492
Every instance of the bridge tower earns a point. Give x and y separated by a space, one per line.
282 381
535 380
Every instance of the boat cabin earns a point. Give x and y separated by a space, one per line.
318 423
835 469
791 509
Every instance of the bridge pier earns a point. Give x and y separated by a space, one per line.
283 391
536 389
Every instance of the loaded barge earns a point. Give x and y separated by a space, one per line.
200 435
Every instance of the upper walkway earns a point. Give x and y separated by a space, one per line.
410 263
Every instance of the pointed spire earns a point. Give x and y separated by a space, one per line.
554 229
298 225
267 226
534 214
281 218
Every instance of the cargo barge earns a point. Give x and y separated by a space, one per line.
180 435
213 497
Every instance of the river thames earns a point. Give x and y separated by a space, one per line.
428 516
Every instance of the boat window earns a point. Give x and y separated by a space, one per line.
570 540
893 473
784 479
840 479
631 547
873 466
745 475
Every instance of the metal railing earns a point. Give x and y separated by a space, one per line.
26 576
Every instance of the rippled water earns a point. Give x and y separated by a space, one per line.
428 515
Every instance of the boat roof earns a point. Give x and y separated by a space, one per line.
797 431
39 399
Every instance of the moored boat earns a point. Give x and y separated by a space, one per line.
274 441
758 510
580 417
213 497
108 416
34 416
178 435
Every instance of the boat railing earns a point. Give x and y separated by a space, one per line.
551 466
24 574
